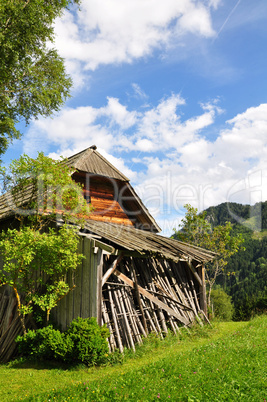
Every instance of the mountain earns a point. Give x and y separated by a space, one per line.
245 277
252 216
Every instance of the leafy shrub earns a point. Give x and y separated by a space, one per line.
45 343
222 305
83 342
89 340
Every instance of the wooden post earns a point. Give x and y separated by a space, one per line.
202 290
111 269
99 285
113 312
138 297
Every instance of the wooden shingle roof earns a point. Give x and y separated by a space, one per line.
144 242
91 161
87 161
9 206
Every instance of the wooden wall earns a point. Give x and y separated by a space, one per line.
103 194
82 301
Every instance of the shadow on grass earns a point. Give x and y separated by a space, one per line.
150 345
23 363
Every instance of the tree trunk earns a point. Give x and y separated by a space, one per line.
21 316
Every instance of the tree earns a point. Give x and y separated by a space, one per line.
29 258
36 256
196 229
41 190
222 305
33 80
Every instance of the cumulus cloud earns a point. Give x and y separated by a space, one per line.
167 157
152 129
204 172
119 114
121 31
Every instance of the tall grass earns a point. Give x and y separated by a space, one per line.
227 363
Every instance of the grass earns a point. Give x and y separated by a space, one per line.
226 363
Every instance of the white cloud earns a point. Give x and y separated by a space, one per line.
211 171
71 128
119 163
245 139
196 20
120 31
214 3
163 125
155 129
119 113
178 163
139 93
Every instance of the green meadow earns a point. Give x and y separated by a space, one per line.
227 362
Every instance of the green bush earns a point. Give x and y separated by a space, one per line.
89 339
84 342
222 305
46 344
250 306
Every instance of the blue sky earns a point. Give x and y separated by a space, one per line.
173 93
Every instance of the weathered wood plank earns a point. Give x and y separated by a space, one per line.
86 279
111 269
202 290
78 281
69 298
194 272
149 296
138 297
93 283
99 285
115 321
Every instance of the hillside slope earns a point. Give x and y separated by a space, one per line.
245 277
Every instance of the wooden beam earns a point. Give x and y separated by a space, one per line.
105 247
165 294
99 286
138 297
149 296
134 254
111 269
202 290
114 317
194 272
99 243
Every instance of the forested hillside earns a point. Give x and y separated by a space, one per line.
253 217
245 277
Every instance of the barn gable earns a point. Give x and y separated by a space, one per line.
112 197
108 191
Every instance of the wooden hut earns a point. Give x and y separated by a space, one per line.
133 279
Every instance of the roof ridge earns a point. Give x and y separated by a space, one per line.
111 165
97 162
84 155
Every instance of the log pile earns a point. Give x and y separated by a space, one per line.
144 295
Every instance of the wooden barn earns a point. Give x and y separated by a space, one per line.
133 279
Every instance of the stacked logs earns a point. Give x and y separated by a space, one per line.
145 295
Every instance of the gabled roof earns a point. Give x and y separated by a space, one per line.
91 161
